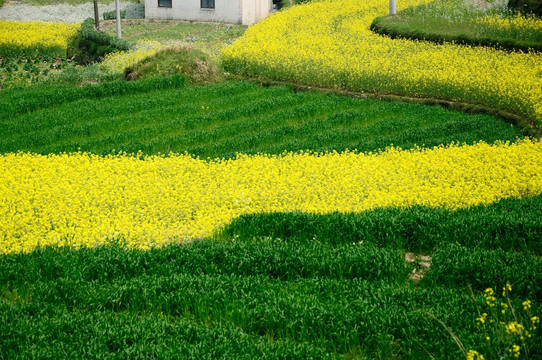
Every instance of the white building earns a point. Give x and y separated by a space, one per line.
246 12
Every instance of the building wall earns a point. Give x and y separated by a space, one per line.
224 11
245 12
254 11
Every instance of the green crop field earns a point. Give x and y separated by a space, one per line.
313 219
271 285
233 117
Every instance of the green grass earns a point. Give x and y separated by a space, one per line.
292 298
447 20
509 225
122 335
223 119
209 37
165 30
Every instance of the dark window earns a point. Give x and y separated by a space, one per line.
207 4
164 3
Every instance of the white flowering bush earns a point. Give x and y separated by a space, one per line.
134 11
65 12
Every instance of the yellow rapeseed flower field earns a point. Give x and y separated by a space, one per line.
118 61
328 42
519 23
82 199
35 38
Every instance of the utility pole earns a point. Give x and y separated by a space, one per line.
118 19
393 7
96 15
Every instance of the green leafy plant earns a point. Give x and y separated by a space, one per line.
111 15
92 44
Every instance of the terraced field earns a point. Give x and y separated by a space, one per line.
224 119
158 219
274 285
329 43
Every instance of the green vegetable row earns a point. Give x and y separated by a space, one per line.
342 300
224 119
510 225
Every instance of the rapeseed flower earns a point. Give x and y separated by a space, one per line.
36 38
474 355
518 23
515 351
329 42
116 62
81 199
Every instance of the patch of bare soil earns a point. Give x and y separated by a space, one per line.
421 264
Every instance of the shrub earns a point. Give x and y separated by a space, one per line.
135 11
526 6
93 44
111 15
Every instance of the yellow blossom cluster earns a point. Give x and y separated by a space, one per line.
35 37
329 42
514 351
116 62
518 23
506 289
80 199
514 328
490 298
474 355
506 327
482 319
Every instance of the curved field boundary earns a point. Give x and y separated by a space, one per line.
379 27
330 43
526 126
84 200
